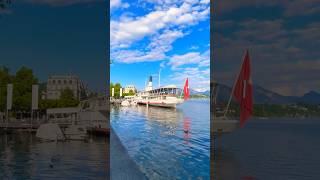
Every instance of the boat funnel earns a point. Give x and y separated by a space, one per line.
149 86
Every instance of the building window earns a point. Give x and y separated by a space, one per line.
65 81
53 81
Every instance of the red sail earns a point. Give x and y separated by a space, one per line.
243 90
186 91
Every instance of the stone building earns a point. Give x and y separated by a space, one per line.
56 84
130 87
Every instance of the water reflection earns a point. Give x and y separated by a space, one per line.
165 117
276 148
23 157
166 143
224 164
186 129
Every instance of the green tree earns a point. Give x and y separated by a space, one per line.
22 88
111 86
67 99
4 4
48 103
5 78
131 93
117 87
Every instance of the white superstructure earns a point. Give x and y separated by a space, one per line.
165 96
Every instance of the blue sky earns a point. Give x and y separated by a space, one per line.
283 40
56 37
150 35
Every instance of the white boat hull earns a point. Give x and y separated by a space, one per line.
161 103
50 132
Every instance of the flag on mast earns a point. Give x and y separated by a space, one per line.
186 91
243 90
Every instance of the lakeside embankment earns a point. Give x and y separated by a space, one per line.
121 165
166 142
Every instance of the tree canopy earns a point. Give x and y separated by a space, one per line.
117 88
22 88
22 91
5 78
66 99
4 4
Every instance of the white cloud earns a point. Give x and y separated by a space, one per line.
275 50
205 1
163 41
150 37
194 47
199 79
302 7
155 51
198 69
189 58
291 7
202 60
127 31
162 64
118 4
135 56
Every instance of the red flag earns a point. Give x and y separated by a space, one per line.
243 90
186 91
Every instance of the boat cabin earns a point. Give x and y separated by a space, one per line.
163 92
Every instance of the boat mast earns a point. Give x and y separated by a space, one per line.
159 77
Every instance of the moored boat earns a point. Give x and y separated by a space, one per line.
166 96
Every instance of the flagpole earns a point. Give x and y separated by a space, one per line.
234 84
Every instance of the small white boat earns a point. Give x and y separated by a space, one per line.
50 132
125 103
133 103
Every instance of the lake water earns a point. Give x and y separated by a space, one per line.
167 143
270 149
23 157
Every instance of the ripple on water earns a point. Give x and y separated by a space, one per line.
156 140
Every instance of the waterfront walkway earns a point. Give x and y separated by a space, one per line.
121 165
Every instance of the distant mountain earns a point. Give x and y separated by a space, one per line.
311 97
207 93
262 96
194 92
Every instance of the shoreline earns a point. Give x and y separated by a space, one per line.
121 164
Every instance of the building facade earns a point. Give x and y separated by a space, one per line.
56 84
128 88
